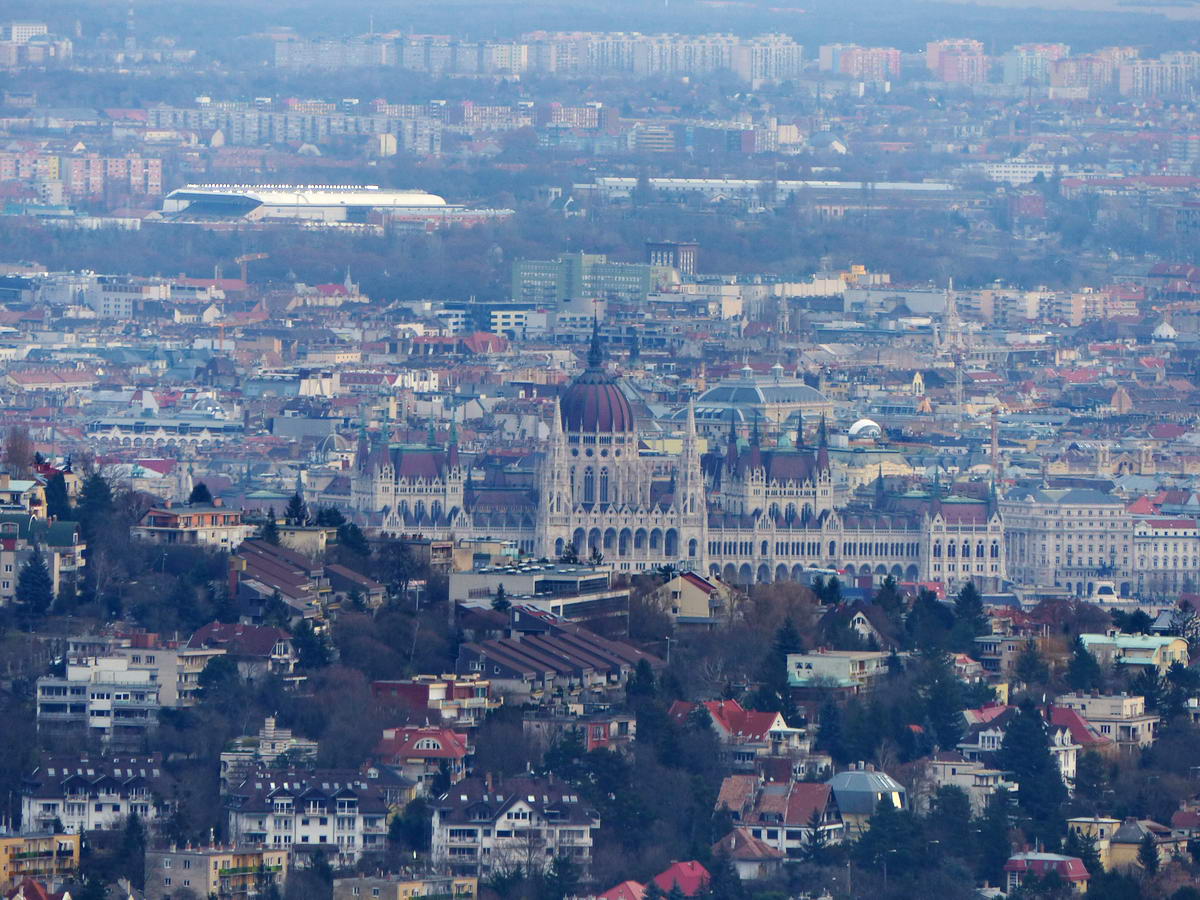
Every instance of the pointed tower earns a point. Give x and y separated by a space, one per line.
880 490
731 448
452 446
690 503
554 489
822 447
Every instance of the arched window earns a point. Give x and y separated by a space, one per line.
937 548
995 549
952 549
604 485
589 485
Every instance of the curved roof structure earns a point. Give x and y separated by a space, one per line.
858 791
865 428
298 195
595 402
761 390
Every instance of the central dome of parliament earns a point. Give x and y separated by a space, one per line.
595 403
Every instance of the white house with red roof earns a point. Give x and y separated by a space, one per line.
690 599
782 814
1024 865
747 734
689 877
1069 733
421 753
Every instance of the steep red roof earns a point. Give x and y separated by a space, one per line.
406 743
730 718
804 799
742 846
1069 868
239 640
1082 731
626 890
690 876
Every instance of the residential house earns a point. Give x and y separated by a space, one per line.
346 583
746 734
604 730
482 825
546 657
207 525
1069 735
851 671
753 859
1122 718
782 814
260 571
341 813
1126 842
1138 650
59 542
22 495
978 780
461 701
1069 869
401 887
87 793
693 601
858 792
868 622
272 747
174 667
47 855
101 697
226 873
258 650
689 878
1100 829
422 753
583 594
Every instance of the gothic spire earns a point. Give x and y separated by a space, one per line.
822 447
595 352
556 419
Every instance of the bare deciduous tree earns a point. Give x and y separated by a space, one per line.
18 451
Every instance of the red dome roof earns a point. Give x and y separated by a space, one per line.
595 403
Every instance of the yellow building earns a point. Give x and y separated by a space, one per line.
441 887
1138 650
221 872
42 856
1118 842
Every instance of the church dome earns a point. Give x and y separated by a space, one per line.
595 402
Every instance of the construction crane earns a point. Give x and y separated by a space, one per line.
248 258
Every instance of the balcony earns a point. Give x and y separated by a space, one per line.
248 870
